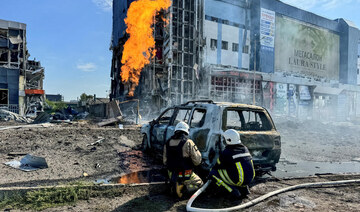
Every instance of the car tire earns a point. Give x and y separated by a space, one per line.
144 143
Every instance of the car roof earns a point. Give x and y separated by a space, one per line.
231 104
209 103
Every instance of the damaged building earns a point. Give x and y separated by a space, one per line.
21 79
263 52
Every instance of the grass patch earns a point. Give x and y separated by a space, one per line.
48 198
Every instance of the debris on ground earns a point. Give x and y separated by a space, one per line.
110 121
28 163
356 159
113 109
98 142
82 116
6 115
16 154
70 158
27 126
43 117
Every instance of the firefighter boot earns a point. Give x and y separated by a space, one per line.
179 189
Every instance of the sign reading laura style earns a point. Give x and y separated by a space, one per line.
306 50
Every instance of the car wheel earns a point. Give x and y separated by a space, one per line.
144 143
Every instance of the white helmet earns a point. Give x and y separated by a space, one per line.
232 137
182 126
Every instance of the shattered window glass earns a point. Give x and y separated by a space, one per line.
198 118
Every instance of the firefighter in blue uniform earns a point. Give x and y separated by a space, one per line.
234 169
180 156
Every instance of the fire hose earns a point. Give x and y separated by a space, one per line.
261 198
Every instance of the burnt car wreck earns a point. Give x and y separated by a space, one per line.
208 120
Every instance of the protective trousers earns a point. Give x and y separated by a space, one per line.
234 190
192 182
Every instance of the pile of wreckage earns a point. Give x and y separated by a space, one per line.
112 116
6 115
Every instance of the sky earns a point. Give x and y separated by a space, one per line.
71 38
331 9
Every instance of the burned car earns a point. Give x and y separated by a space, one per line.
208 120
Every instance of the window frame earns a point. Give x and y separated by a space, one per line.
176 112
224 45
235 47
202 119
242 119
213 41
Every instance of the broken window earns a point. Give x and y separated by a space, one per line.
182 115
245 50
213 43
14 57
246 120
224 45
198 118
165 118
4 96
3 33
235 47
3 55
4 42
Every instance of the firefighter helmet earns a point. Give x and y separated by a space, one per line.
232 137
182 126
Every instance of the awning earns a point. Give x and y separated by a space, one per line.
328 90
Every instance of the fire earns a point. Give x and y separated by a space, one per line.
140 47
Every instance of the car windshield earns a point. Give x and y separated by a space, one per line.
246 120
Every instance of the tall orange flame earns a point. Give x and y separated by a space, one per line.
140 47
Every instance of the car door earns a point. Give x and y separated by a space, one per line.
180 114
158 130
198 130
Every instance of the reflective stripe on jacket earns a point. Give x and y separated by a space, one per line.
235 165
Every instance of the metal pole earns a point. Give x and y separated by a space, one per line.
254 73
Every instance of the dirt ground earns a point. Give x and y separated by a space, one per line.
317 141
343 198
69 155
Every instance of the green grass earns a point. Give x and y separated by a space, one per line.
48 198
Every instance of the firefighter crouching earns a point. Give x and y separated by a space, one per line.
180 156
234 169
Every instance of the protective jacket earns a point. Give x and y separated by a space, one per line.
235 165
181 154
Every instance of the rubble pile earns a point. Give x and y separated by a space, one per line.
7 116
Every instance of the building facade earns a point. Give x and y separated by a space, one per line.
21 79
263 52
